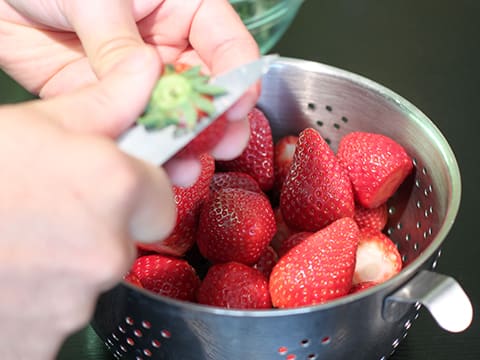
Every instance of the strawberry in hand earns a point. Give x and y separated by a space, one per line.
181 97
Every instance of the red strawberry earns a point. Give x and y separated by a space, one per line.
168 276
234 179
362 286
283 231
374 218
283 157
267 261
257 158
378 258
317 190
376 165
132 279
235 225
236 286
292 241
188 202
181 97
318 269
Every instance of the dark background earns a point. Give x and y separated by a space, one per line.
427 51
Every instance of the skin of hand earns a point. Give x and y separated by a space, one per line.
71 203
55 46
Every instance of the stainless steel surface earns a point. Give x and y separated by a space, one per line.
157 146
136 324
440 294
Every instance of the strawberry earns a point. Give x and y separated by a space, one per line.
181 97
236 286
257 158
267 261
283 157
317 190
167 276
235 225
374 218
188 201
132 279
377 257
362 286
376 165
283 231
234 179
292 241
317 270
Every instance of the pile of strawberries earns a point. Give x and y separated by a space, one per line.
285 224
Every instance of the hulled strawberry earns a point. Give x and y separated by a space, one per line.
167 276
234 179
283 157
362 286
318 269
376 165
317 190
377 258
374 218
188 201
235 225
257 158
267 261
181 97
235 286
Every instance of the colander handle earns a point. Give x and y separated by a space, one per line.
440 294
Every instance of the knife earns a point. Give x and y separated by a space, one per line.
158 146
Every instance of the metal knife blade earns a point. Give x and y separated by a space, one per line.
158 146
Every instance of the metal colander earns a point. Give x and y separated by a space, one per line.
136 324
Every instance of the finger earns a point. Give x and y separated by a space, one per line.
183 171
233 141
111 105
153 213
107 30
224 44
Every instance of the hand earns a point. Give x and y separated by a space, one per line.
71 204
54 46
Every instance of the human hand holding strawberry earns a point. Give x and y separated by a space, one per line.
52 47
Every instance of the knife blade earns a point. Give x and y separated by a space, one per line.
158 146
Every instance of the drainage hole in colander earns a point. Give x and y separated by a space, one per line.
130 341
147 352
166 334
415 247
328 108
129 321
319 123
305 342
137 333
156 343
121 329
344 119
123 348
311 106
291 357
326 340
146 324
282 350
404 258
336 126
311 356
